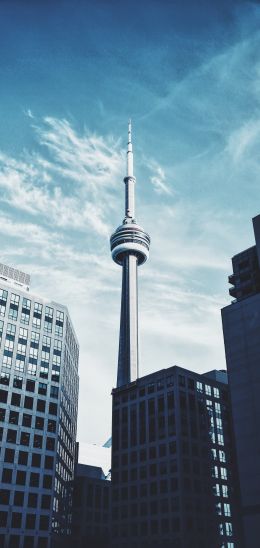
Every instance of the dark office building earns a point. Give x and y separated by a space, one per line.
91 508
173 469
241 327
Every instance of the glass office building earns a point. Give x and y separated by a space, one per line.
38 415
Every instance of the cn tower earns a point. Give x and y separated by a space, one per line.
129 248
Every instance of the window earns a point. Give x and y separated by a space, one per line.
2 414
229 531
18 382
37 310
36 460
32 500
23 458
227 511
41 405
46 502
20 477
3 518
57 347
54 392
217 490
16 520
49 462
199 386
25 438
28 402
23 336
10 331
34 479
44 523
222 456
208 389
16 399
5 378
9 455
50 444
33 355
7 475
3 396
42 388
19 365
35 337
220 439
44 371
27 420
18 498
7 360
39 423
31 368
4 496
13 417
36 323
47 481
223 473
30 386
216 392
30 521
11 436
37 441
52 408
225 491
46 343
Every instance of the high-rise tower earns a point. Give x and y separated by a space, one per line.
130 248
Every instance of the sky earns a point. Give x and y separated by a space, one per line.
72 72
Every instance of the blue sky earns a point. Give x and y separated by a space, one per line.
188 74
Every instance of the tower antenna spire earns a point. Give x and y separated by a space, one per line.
129 248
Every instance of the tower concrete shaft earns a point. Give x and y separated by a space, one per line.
130 248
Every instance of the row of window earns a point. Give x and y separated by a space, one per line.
36 459
25 439
21 478
30 521
27 307
27 541
33 499
28 400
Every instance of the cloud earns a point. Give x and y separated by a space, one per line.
158 179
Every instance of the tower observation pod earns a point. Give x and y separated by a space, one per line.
129 249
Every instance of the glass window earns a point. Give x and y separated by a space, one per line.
25 438
208 389
41 405
23 458
18 498
9 455
223 473
32 500
46 342
35 337
225 491
222 456
227 511
19 365
16 520
7 475
7 362
5 378
28 402
18 382
229 531
42 389
16 399
27 420
216 392
4 496
54 391
32 367
10 331
36 323
13 417
199 386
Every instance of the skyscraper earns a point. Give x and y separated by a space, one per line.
241 328
173 472
130 248
38 415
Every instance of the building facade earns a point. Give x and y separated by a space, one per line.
173 464
241 328
91 508
38 415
